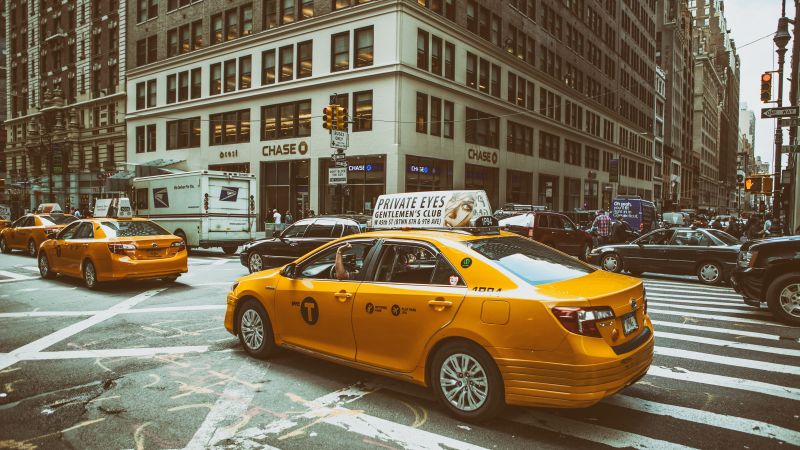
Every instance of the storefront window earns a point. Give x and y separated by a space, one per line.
518 187
366 180
572 194
428 174
483 178
285 187
590 194
548 191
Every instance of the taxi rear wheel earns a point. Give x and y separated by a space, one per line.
467 382
32 248
44 266
90 275
170 279
4 246
255 330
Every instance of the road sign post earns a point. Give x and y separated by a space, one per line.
339 139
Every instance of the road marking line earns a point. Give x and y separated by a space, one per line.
688 326
714 297
729 344
732 295
109 353
64 333
727 360
31 268
732 423
711 317
758 387
48 314
590 432
128 311
687 285
670 300
20 278
231 405
219 262
216 283
16 276
175 308
704 308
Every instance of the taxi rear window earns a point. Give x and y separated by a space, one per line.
57 219
132 229
533 262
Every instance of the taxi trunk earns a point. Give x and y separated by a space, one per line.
146 247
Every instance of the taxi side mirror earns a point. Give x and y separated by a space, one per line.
289 270
51 234
276 234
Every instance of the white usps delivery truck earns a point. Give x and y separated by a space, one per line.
206 208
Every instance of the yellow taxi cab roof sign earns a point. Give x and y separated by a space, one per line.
435 209
119 208
49 208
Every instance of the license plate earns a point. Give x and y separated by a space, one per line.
629 324
154 252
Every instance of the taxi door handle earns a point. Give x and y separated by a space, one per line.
343 296
440 304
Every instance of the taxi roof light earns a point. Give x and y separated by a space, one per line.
582 321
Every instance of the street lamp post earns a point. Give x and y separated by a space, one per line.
781 40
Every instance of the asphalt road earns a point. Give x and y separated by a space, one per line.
146 365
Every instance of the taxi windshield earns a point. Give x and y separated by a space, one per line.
57 219
534 263
132 229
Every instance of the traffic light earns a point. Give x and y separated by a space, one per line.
327 116
341 118
766 185
766 87
753 184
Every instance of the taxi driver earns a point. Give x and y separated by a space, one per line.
345 265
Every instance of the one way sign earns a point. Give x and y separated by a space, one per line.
772 113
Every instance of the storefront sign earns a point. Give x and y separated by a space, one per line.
440 209
487 156
337 175
229 154
413 168
365 168
300 148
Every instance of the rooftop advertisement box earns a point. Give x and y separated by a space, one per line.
439 209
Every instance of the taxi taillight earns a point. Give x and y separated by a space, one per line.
120 249
180 245
582 321
644 299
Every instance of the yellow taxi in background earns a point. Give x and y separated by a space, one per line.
29 231
483 317
107 249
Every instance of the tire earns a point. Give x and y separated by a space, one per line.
611 262
255 262
710 273
182 235
783 298
4 246
462 395
170 279
586 250
90 275
229 250
255 330
44 267
31 248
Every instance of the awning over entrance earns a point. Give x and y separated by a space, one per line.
121 180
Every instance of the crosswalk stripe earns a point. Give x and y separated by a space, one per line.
688 326
31 268
713 317
727 360
685 284
681 292
590 432
700 302
733 423
15 276
711 309
700 295
729 344
758 387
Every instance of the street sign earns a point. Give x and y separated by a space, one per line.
338 157
792 122
774 113
338 139
337 175
790 148
340 163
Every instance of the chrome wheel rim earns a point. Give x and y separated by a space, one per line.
610 263
709 273
464 382
790 299
252 329
43 266
256 265
2 245
586 251
31 248
89 275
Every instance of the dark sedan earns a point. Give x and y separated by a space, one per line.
709 254
298 239
551 229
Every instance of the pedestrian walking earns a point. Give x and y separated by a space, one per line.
288 218
602 223
276 216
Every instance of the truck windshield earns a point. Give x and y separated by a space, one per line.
533 262
133 229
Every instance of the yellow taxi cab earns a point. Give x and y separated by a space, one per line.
29 231
113 248
484 317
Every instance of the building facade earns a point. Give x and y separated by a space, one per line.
66 99
527 100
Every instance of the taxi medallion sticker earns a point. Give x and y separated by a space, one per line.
395 310
466 262
309 311
370 308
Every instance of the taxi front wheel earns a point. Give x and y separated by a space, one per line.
4 246
467 382
255 330
44 266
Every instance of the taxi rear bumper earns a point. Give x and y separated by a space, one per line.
124 268
563 385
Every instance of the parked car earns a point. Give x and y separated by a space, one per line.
552 229
768 271
298 239
710 254
516 209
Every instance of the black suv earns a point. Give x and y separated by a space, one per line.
768 271
298 239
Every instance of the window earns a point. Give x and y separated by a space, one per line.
362 102
184 133
197 34
495 83
140 139
286 120
482 129
245 72
340 52
319 266
231 25
520 138
449 111
483 77
146 50
147 9
436 55
150 139
196 82
215 87
592 158
436 116
268 67
422 49
364 42
395 266
572 152
246 20
549 146
172 42
185 39
304 56
422 113
229 128
286 55
230 75
472 70
172 88
216 29
141 198
449 61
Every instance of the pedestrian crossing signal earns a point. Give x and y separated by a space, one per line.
766 87
766 185
753 184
